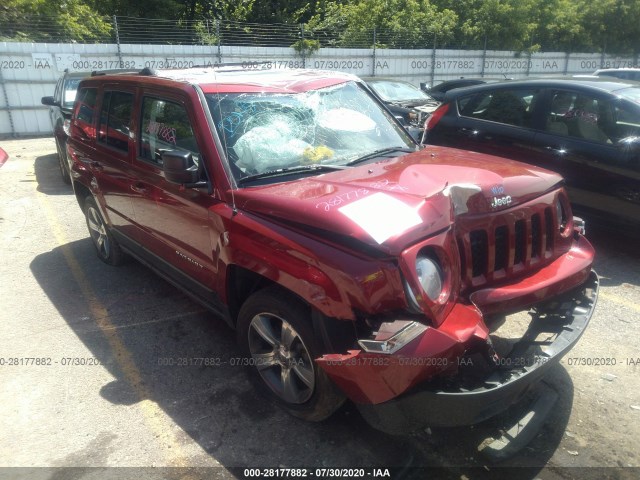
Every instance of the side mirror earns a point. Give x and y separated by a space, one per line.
50 101
424 86
179 168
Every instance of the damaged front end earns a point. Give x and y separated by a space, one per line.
443 362
411 375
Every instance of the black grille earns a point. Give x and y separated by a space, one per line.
479 251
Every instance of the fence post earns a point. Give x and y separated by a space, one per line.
566 63
373 55
303 50
6 100
219 40
604 50
433 59
115 26
484 55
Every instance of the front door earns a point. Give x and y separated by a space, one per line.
173 219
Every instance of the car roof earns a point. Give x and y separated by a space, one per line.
384 79
68 74
236 78
603 84
621 69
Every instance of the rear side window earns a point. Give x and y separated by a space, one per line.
115 118
581 115
84 111
511 107
165 126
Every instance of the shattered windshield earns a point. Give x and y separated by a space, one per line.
261 132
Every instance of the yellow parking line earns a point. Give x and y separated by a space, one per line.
155 418
619 300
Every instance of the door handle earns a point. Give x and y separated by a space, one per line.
139 188
92 164
468 132
556 150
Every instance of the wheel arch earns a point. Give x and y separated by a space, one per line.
335 335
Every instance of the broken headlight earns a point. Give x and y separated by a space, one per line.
430 276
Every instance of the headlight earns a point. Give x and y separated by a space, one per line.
430 276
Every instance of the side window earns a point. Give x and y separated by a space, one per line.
511 107
84 111
579 115
626 122
69 93
57 94
115 118
165 126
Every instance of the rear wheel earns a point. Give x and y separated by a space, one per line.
274 331
106 246
63 163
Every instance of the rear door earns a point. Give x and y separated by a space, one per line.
111 162
585 138
498 122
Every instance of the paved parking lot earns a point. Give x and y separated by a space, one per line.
104 367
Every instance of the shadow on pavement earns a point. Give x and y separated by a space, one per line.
47 172
216 405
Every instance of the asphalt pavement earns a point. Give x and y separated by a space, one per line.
105 367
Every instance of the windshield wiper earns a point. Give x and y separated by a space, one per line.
382 152
290 171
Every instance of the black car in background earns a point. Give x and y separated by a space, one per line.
407 102
439 91
60 107
588 130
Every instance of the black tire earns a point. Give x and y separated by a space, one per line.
63 163
106 246
276 337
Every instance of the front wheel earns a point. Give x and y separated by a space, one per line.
275 334
106 246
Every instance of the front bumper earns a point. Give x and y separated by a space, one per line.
378 384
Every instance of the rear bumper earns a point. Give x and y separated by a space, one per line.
444 401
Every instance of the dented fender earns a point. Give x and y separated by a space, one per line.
372 378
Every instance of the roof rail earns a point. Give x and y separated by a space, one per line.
96 73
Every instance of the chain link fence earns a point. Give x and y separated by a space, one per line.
133 30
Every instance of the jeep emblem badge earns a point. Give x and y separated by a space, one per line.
500 201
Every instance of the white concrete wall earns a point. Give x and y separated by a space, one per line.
28 71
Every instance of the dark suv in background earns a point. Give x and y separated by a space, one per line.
588 130
60 106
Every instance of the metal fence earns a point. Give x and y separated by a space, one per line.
29 70
134 30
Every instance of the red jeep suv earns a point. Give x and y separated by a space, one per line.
352 262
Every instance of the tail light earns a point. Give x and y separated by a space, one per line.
436 116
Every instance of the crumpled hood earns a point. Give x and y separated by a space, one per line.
393 202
